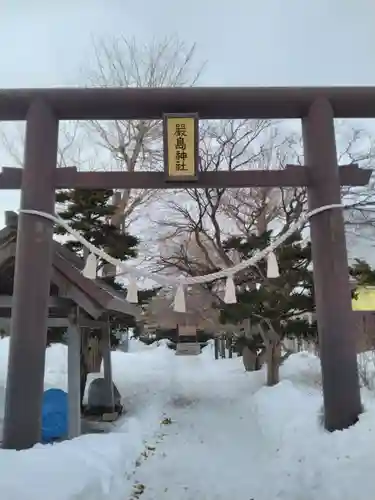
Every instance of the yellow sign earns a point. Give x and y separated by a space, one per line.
365 300
181 146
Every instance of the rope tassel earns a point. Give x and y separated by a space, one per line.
230 291
179 304
89 271
272 266
132 292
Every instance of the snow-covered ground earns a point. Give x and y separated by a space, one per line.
199 429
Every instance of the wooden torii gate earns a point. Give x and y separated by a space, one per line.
43 108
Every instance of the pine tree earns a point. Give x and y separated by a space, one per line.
89 213
284 300
362 272
273 306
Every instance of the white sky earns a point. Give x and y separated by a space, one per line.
246 42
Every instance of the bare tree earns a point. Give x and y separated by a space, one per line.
137 144
122 145
255 208
199 221
12 136
196 222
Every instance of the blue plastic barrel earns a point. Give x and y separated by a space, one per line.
54 415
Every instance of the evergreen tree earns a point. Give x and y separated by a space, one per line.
280 303
363 274
89 213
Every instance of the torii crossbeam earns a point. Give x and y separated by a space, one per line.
291 176
43 108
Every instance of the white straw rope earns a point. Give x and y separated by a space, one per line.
194 280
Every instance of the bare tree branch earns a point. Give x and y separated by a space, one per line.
196 223
137 145
69 151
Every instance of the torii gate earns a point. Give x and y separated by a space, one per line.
43 108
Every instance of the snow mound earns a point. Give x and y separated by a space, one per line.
87 467
92 466
302 368
189 417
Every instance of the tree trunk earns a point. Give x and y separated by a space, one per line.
273 363
110 269
261 358
249 359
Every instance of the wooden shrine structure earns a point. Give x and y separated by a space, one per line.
77 304
200 315
181 108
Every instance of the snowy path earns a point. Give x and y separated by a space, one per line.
231 438
228 437
192 445
211 428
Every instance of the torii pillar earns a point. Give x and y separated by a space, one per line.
338 353
31 282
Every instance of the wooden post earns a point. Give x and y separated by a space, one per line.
84 360
105 345
216 347
230 346
342 403
125 341
299 344
25 380
222 347
74 379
